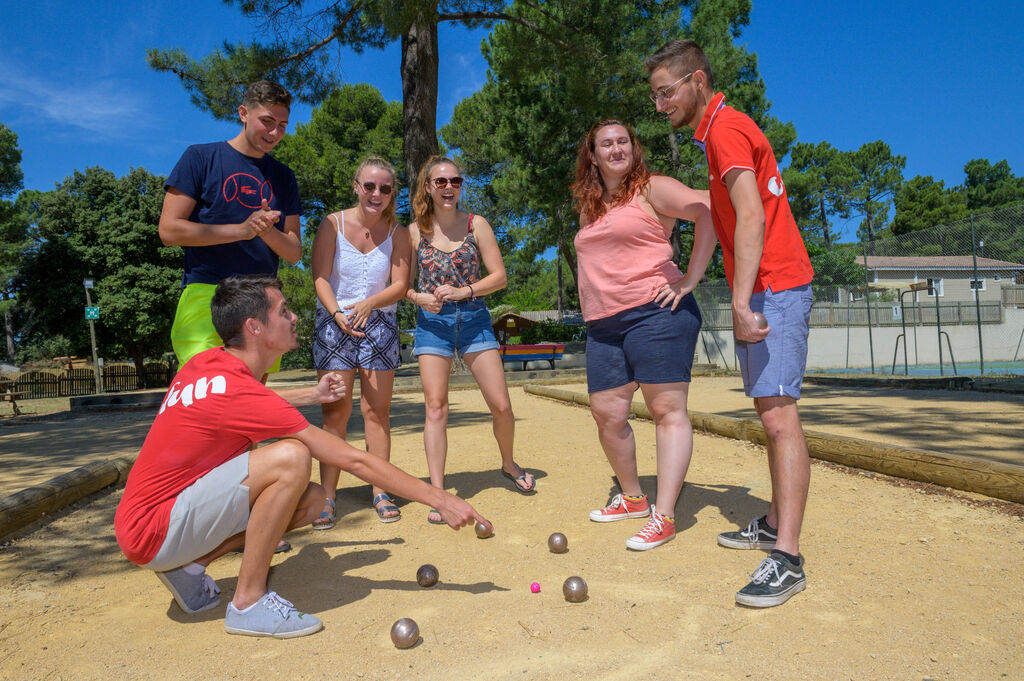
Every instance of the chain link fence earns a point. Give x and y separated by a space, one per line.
942 301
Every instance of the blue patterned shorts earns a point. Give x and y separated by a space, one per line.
333 349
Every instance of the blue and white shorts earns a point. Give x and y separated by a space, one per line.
335 350
775 366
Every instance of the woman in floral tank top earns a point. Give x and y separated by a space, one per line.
450 245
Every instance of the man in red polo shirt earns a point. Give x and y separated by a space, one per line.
769 273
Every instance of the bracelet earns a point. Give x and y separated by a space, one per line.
472 296
336 312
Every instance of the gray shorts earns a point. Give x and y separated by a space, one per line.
207 512
775 366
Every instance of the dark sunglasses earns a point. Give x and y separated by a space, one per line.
368 187
441 182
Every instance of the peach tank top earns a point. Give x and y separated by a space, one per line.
623 259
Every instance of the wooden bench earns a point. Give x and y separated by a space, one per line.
529 353
8 395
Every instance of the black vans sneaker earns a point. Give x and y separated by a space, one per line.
773 582
758 535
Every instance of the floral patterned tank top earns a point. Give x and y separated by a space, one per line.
460 267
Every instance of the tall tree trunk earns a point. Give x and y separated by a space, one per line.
419 93
871 232
673 145
9 334
824 225
140 366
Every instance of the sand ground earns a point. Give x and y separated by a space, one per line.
902 583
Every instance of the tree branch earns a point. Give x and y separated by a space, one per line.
501 16
335 33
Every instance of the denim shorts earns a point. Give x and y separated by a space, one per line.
464 326
333 349
207 512
645 344
775 366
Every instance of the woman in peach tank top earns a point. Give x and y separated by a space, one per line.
642 321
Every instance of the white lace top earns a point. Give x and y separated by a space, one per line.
355 275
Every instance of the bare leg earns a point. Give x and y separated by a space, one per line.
375 389
490 376
610 409
434 371
790 467
674 436
335 419
280 497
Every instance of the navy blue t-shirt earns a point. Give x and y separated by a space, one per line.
228 186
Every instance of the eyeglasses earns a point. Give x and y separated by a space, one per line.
369 187
442 182
668 90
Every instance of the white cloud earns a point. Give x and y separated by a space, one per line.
106 107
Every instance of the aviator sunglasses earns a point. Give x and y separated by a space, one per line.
368 187
441 182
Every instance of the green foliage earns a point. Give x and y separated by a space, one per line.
353 122
10 162
552 332
991 186
533 284
834 268
298 291
812 189
15 234
869 177
922 203
299 38
98 225
518 136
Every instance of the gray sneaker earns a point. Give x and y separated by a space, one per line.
774 581
273 616
194 593
757 536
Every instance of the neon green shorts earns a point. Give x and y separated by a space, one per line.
192 331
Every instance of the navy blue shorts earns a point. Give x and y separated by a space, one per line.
645 344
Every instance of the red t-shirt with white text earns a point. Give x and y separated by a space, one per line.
214 410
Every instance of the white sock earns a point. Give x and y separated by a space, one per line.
194 569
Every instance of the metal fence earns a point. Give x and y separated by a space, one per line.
82 381
944 300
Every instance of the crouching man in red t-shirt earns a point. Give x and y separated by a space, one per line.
770 274
199 490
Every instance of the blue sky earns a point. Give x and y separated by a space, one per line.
939 83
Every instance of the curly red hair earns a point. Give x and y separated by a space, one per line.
588 188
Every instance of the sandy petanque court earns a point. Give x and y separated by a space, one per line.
904 582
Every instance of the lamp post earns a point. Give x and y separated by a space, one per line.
92 314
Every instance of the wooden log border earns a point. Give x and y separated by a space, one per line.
998 480
31 504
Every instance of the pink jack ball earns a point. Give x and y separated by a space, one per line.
535 587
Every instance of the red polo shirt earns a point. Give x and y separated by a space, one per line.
732 140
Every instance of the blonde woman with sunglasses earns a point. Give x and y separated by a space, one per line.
360 271
450 246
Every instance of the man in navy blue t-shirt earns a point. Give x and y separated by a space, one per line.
234 209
